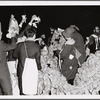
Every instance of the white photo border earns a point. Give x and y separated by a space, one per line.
51 3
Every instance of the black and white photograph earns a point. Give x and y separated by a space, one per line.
49 48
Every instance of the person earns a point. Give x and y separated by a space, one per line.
32 51
87 48
69 65
72 32
51 34
94 40
12 63
41 41
5 81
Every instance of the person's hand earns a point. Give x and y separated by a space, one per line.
24 18
37 19
33 17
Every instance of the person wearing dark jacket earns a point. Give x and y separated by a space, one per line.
33 51
69 65
5 81
79 43
12 63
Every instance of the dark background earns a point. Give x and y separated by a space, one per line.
84 17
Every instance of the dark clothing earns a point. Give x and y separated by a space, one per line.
69 66
79 45
10 56
91 45
33 51
5 81
71 81
49 40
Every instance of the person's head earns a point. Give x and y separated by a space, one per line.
43 36
52 30
97 30
68 32
30 33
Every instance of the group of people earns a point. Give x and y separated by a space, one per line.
25 49
22 46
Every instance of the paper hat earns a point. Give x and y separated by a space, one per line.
68 31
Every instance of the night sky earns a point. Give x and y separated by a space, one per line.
85 17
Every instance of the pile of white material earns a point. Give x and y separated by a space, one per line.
88 76
51 81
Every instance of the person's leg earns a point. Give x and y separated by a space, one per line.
71 81
6 84
1 92
20 85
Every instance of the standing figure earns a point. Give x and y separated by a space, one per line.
79 43
94 40
87 48
69 65
51 34
14 29
31 50
41 41
5 81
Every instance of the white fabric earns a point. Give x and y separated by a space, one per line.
96 40
14 78
21 39
30 77
87 51
60 30
71 56
70 41
95 36
31 38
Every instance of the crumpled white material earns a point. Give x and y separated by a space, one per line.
88 76
13 27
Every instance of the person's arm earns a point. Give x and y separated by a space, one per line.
26 28
15 53
22 33
8 47
22 21
38 59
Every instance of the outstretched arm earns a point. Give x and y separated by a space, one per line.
27 27
22 21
